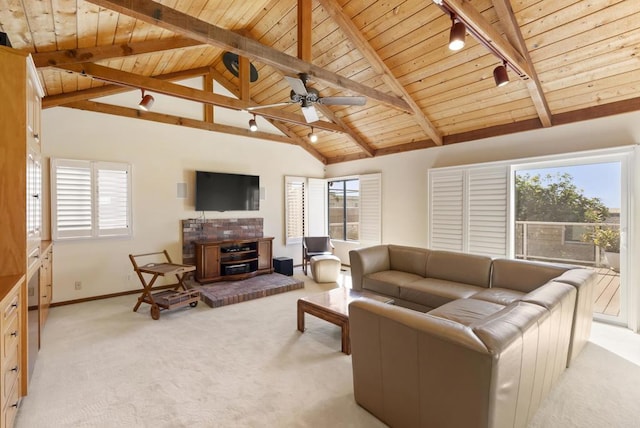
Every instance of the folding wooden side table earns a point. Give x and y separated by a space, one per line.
166 299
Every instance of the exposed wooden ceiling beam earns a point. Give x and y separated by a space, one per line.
99 53
362 44
305 41
229 86
305 30
514 35
163 87
102 91
484 32
180 23
174 120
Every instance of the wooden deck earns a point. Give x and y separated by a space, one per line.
607 293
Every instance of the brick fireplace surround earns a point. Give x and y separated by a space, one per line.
217 229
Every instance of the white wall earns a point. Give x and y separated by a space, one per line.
161 156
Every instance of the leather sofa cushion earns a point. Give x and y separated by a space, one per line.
436 292
523 275
502 296
551 294
408 259
466 311
576 277
459 267
498 330
388 282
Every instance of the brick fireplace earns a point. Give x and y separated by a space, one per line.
217 229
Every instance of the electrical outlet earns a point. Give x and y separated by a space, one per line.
78 285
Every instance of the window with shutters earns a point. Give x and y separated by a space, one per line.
346 208
468 210
90 199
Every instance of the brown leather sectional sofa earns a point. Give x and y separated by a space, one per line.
470 342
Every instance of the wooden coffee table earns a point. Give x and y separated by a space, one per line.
333 306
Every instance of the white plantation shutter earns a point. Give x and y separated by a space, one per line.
294 209
446 214
488 190
71 198
90 199
317 207
113 199
370 209
468 210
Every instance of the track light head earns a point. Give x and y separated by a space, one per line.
456 35
147 102
313 137
500 75
253 125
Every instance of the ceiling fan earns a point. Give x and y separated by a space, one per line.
307 97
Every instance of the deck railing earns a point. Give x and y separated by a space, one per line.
558 241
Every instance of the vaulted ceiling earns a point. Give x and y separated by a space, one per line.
567 61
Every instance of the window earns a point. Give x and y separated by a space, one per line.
353 205
468 210
344 209
90 199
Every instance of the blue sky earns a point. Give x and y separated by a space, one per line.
600 180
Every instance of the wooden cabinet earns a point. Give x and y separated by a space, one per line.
11 350
21 225
232 259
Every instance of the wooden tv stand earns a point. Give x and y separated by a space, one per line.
233 259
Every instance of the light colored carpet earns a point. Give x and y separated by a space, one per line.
246 365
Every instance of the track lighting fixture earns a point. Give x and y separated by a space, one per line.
147 102
312 136
500 75
456 35
253 125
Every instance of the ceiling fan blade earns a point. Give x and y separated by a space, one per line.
310 114
270 105
343 101
297 85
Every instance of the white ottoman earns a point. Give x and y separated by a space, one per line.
325 268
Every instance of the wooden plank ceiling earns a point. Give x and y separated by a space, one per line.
568 60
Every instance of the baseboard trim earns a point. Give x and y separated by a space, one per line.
105 296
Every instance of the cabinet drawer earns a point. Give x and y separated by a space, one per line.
10 408
10 373
11 338
10 308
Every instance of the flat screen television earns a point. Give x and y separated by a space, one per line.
217 191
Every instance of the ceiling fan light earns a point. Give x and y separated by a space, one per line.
313 137
500 75
456 35
146 103
253 125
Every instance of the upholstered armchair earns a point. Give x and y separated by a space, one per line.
314 246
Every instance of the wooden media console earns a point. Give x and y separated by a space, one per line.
232 259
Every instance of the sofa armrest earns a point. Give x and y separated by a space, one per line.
413 369
368 260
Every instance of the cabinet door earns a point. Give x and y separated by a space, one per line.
264 254
211 259
46 288
34 199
